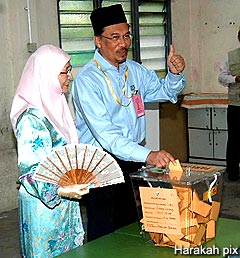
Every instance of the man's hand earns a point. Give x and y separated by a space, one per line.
175 63
160 159
73 191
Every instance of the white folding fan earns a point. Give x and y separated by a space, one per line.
79 164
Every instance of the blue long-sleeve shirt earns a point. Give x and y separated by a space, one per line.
102 121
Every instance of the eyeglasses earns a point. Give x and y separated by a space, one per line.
116 38
68 72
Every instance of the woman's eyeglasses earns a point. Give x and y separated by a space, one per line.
68 72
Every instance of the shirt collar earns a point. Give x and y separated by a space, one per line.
105 65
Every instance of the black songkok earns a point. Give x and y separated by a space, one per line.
106 16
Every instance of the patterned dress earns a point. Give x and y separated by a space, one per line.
49 225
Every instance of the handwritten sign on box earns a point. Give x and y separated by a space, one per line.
160 210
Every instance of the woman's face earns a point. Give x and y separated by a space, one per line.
65 77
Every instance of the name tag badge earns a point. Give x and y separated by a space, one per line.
138 105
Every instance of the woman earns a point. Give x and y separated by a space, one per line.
41 120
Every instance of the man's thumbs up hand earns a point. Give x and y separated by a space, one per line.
175 63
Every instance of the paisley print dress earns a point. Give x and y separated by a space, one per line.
49 225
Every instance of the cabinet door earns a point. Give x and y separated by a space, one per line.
199 118
219 118
220 144
200 143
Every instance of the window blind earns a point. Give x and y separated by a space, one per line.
76 34
153 32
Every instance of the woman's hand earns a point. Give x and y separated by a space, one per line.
73 191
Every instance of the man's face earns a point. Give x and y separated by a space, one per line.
114 43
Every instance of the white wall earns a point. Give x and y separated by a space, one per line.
14 37
152 126
203 32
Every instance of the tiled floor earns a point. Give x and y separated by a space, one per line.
9 241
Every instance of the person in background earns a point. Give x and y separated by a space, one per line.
41 120
109 95
229 77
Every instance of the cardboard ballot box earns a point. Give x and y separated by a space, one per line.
178 208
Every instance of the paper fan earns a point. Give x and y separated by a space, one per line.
79 164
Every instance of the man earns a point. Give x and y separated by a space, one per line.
230 77
108 95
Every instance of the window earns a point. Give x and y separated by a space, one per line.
76 36
149 22
154 33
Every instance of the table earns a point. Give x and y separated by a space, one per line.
205 100
128 243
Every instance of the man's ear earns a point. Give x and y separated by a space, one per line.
97 40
